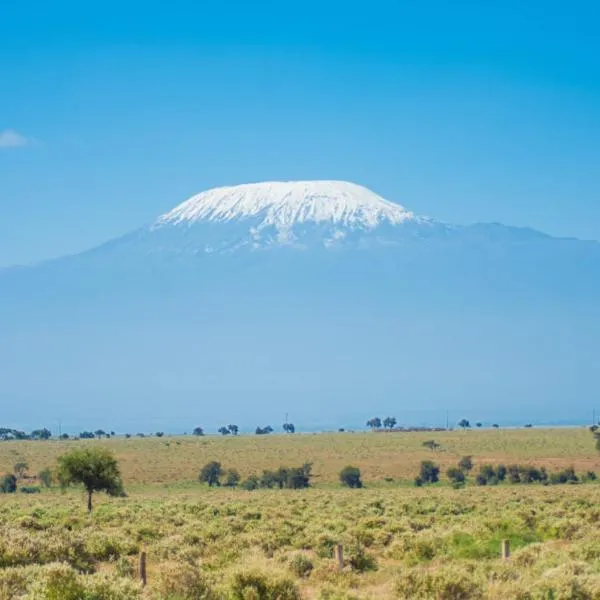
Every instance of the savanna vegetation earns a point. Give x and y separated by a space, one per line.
208 534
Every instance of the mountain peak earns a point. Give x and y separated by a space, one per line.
285 204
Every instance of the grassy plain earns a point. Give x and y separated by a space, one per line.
379 455
399 542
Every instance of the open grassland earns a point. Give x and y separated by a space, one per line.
409 543
219 544
379 456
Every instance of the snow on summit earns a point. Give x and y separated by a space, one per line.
285 204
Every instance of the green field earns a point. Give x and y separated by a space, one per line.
399 541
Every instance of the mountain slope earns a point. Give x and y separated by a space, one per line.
316 298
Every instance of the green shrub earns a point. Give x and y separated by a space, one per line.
30 489
565 476
301 565
182 581
360 561
466 463
256 585
443 583
456 476
252 483
350 476
124 567
232 478
430 472
8 484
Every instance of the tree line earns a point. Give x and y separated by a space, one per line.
488 474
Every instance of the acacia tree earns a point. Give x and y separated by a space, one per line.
94 468
234 429
389 422
464 424
374 423
211 473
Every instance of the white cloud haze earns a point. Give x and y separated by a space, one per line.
9 138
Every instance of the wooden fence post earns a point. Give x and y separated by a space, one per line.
143 575
505 550
339 556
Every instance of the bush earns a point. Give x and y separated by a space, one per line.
124 567
456 476
360 561
430 472
256 585
301 565
501 472
182 581
350 476
487 475
30 489
252 483
466 463
447 583
514 473
232 478
564 476
8 484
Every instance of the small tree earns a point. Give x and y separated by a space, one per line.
198 431
389 422
466 463
63 436
350 476
45 476
495 426
264 430
8 484
299 477
232 478
478 424
430 472
41 434
464 424
289 428
20 469
224 430
160 434
100 433
211 473
95 468
374 423
87 435
234 429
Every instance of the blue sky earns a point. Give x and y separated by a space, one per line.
113 112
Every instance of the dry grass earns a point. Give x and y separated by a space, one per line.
396 455
434 543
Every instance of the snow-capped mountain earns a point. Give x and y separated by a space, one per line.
298 214
285 205
319 298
